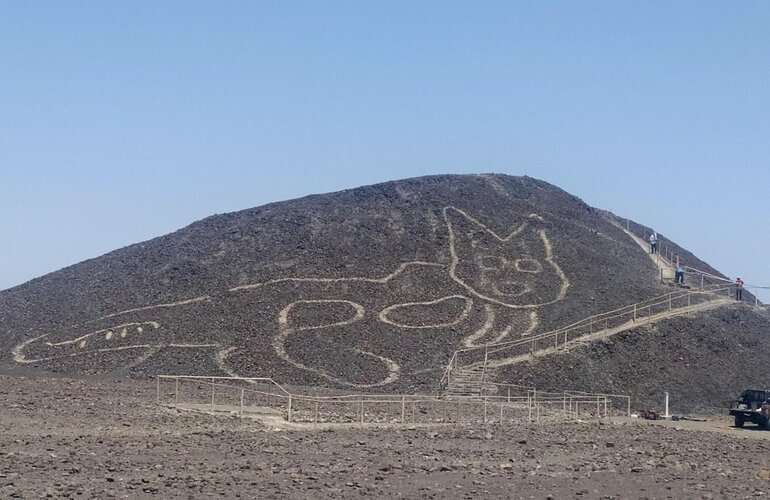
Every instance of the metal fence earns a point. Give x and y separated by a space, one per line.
667 305
251 396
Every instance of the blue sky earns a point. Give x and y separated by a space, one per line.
122 121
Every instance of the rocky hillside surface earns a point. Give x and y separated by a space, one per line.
373 289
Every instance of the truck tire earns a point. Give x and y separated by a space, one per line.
739 421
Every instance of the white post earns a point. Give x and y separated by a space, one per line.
288 410
666 414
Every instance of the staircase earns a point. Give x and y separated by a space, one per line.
469 381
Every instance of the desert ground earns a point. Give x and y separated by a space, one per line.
91 438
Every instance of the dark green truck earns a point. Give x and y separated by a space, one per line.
753 406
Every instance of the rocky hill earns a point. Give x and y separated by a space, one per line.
373 289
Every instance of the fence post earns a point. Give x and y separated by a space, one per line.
212 391
361 403
157 393
529 406
701 282
288 410
484 369
403 409
485 410
241 402
176 390
634 313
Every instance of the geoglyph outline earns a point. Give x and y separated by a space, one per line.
284 331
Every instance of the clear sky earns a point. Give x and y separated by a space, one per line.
122 121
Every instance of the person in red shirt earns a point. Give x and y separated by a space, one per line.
738 289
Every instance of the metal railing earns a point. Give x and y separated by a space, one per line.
626 317
236 395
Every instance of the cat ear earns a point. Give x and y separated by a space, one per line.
460 223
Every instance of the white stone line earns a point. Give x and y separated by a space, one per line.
507 331
466 310
534 321
470 340
565 284
280 338
18 350
108 334
19 356
279 342
203 298
401 268
22 358
456 260
220 359
283 316
513 233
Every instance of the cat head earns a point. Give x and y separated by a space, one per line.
517 270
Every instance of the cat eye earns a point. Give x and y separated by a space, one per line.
491 262
528 266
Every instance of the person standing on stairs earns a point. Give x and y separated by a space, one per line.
679 276
738 289
653 242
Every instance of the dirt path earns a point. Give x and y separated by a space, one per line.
667 269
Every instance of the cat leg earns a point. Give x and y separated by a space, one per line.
501 325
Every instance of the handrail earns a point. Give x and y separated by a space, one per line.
554 337
215 377
447 372
300 408
605 317
661 299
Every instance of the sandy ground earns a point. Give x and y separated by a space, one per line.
97 439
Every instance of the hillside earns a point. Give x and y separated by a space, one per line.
371 288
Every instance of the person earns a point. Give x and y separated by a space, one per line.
738 289
679 275
653 242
